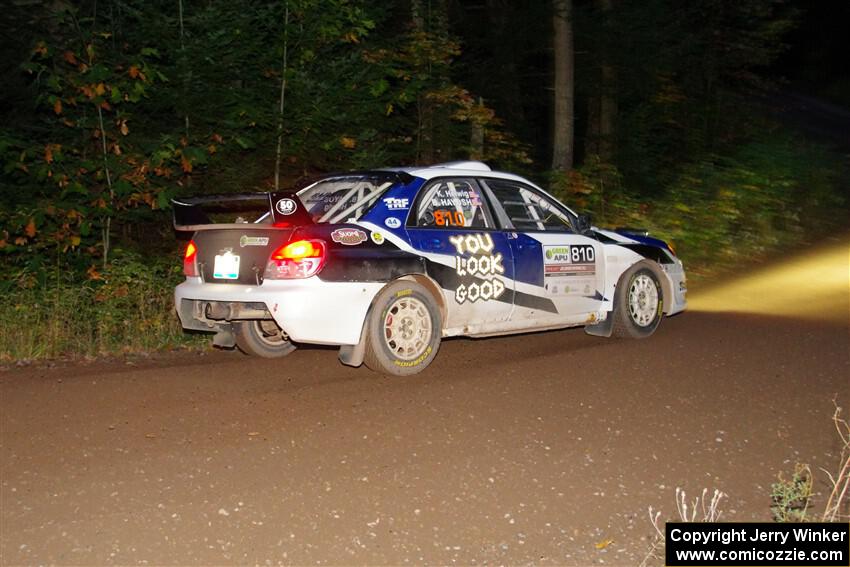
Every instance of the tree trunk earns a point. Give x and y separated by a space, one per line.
608 97
282 99
476 138
562 146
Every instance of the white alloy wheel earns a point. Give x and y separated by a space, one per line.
407 328
404 328
262 338
643 300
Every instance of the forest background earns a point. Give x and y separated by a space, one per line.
654 113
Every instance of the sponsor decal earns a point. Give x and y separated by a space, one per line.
392 222
415 362
455 196
395 204
285 206
377 238
246 240
348 236
569 269
478 267
449 218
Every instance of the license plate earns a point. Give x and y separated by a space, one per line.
226 266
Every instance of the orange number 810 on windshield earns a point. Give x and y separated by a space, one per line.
449 218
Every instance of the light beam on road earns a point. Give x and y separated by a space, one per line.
815 284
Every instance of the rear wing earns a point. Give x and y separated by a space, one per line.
240 210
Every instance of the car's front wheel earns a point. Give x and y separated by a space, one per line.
638 304
404 330
262 338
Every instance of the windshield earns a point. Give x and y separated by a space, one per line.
342 199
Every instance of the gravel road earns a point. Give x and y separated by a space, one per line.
535 449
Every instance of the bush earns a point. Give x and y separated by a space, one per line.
724 210
126 308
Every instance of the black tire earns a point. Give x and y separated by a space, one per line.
404 330
262 338
638 304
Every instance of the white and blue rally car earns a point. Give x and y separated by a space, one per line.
386 263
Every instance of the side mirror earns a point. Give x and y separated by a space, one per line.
583 224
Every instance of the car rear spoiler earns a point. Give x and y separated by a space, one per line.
267 210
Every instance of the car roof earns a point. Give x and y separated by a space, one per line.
459 169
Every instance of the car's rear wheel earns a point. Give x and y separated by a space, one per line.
638 304
404 330
262 338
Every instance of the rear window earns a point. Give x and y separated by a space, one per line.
342 199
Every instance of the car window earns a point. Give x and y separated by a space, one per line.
451 203
342 199
527 209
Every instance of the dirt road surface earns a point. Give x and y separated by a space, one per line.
536 449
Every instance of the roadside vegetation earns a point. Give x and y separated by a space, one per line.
794 498
111 109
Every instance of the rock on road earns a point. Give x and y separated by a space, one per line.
544 448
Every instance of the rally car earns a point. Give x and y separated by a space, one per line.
386 263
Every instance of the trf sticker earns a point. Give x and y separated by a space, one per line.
395 204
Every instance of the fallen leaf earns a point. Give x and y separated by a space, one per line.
57 106
348 143
124 129
30 229
604 543
93 273
185 164
253 433
70 57
133 71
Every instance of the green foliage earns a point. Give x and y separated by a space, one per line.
725 210
790 497
118 106
128 307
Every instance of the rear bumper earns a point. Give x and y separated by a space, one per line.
308 310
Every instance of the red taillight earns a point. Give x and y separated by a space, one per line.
190 267
299 259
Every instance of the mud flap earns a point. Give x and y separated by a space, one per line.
603 328
353 355
224 337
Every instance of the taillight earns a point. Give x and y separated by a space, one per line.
300 259
190 267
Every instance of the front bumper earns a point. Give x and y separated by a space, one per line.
678 283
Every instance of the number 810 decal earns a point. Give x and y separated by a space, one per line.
573 254
449 218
